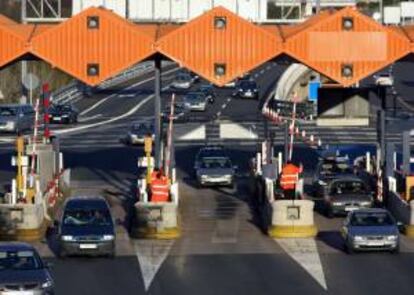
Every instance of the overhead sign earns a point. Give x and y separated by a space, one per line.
313 90
392 15
407 9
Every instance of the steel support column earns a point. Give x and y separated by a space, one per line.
157 111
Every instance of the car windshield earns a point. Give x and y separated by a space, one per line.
61 108
330 168
143 128
247 84
371 219
348 187
19 260
7 112
85 217
215 163
183 78
193 97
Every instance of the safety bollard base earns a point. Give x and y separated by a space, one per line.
409 231
24 235
156 234
285 231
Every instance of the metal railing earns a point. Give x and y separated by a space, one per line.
75 90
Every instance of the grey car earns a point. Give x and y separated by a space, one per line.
327 170
371 229
195 101
22 271
346 194
15 118
215 171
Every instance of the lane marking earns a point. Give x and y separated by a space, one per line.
151 254
305 253
130 112
91 108
223 106
90 118
228 99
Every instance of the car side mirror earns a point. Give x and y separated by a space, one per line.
400 226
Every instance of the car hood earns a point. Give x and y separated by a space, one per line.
373 230
87 230
215 171
351 198
23 276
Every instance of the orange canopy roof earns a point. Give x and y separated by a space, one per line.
219 54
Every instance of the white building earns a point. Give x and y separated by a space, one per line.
183 10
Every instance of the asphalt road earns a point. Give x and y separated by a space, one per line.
222 249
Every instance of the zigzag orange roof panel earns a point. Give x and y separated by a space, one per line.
238 47
364 49
114 45
12 40
217 45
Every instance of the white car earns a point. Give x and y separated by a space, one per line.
195 101
384 79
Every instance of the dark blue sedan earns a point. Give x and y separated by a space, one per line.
371 229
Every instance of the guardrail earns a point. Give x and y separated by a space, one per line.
75 90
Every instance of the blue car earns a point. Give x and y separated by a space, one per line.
22 271
86 228
371 229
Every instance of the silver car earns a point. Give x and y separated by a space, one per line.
195 101
216 171
22 271
15 118
183 81
347 194
371 229
139 131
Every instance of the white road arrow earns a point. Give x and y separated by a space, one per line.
151 255
305 252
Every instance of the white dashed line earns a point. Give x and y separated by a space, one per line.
228 99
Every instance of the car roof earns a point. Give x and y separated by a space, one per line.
86 202
16 246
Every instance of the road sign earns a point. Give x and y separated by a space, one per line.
31 81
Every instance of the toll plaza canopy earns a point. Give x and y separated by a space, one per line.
344 45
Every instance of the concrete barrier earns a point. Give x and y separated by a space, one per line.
22 222
156 221
292 219
403 211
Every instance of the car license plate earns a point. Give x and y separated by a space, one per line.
88 246
348 209
376 243
57 118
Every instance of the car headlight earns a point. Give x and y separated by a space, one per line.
255 90
203 176
65 116
337 203
108 237
358 238
366 203
321 182
392 238
47 284
67 238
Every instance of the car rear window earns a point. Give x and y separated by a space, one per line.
215 163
